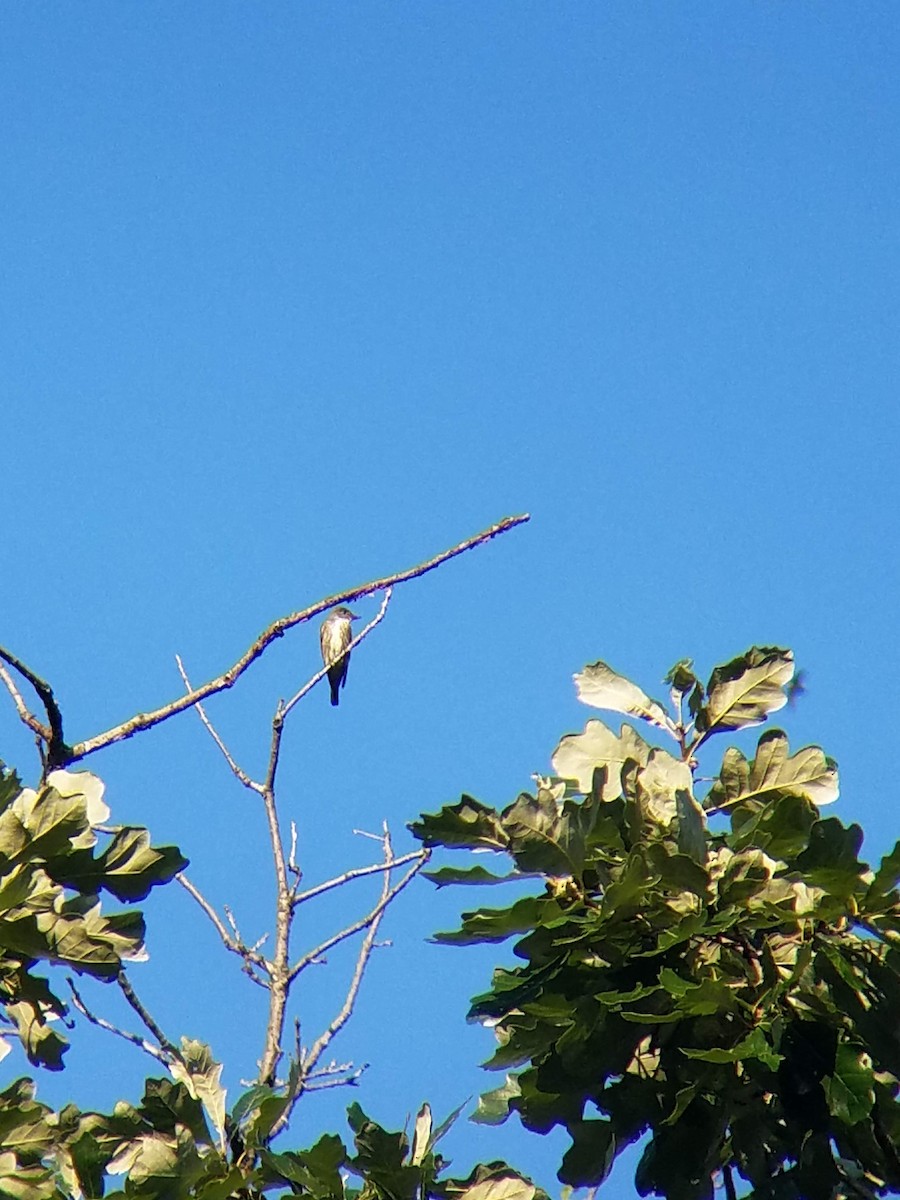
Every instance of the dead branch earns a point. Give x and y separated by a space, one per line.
356 873
142 1043
131 996
277 629
315 955
58 753
250 956
238 773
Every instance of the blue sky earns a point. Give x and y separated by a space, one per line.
297 295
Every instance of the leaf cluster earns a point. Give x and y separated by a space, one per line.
51 881
712 971
166 1148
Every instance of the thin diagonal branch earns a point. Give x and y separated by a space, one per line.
101 1023
25 715
356 873
247 953
323 947
377 619
131 996
365 952
237 771
58 752
277 629
370 923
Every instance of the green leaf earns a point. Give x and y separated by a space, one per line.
744 691
201 1075
494 1106
128 868
578 754
472 875
469 824
537 835
691 832
588 1160
887 877
421 1142
830 861
754 1045
782 829
251 1100
850 1091
495 924
658 785
166 1104
681 677
496 1181
601 687
773 773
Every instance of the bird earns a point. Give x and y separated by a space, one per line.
334 637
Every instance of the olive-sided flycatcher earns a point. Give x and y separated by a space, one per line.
335 636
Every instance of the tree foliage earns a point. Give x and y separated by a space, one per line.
708 967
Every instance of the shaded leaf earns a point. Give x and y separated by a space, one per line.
472 875
469 824
744 691
588 1160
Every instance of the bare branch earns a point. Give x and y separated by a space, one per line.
25 715
376 620
314 956
141 1043
277 629
238 773
280 973
234 944
129 993
58 752
356 873
348 1080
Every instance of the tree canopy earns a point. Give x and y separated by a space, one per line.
707 964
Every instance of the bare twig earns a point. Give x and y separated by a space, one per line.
235 945
356 873
349 1080
58 753
25 715
377 619
148 1047
370 923
277 629
238 773
315 955
293 865
130 995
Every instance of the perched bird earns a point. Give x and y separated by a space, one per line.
334 637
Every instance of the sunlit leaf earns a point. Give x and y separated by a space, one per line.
494 1106
578 754
601 687
850 1090
808 773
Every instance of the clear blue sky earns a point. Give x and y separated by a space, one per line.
294 295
